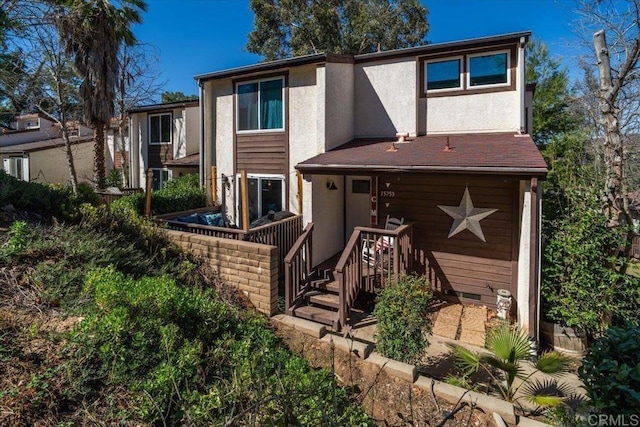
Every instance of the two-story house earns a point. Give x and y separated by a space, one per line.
436 135
163 138
33 149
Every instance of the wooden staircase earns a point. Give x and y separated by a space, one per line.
326 294
321 302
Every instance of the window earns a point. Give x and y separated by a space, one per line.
266 193
442 75
17 167
360 186
160 178
160 128
260 105
488 69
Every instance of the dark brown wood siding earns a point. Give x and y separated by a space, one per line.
159 154
462 263
262 153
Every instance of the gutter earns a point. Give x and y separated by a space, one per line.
327 169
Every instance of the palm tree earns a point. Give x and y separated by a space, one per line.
92 32
510 349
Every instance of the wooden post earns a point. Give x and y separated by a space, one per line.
214 186
244 194
299 175
147 195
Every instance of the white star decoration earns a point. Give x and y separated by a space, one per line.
466 217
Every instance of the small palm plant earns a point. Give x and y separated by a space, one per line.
510 349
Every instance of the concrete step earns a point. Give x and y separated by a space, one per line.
317 314
323 298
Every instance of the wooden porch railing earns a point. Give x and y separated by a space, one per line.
281 234
108 197
372 257
297 269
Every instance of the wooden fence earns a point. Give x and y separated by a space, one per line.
109 196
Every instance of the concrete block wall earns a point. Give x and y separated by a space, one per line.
251 267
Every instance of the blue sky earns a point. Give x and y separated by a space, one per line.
200 36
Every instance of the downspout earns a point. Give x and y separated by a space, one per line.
201 150
522 85
534 239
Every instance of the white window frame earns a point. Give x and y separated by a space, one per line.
161 183
258 81
507 52
9 165
259 176
160 133
460 60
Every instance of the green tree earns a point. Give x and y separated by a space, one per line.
92 32
284 28
169 97
552 112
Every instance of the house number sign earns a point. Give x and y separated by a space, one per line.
387 193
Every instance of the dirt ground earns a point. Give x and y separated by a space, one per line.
388 400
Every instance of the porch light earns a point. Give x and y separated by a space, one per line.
331 185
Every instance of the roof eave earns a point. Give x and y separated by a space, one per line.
326 169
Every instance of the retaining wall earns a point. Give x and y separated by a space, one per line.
251 267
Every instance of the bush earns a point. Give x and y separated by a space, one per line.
610 371
581 285
183 356
180 194
401 313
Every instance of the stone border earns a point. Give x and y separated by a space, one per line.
452 394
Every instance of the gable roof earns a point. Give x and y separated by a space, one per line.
482 153
321 58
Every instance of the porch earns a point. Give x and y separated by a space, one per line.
326 293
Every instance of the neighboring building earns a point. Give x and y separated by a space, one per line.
164 138
466 175
113 158
33 150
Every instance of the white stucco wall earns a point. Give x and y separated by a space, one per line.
487 112
385 98
524 251
179 133
192 126
339 110
304 124
218 136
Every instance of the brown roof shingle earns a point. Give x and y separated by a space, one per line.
503 153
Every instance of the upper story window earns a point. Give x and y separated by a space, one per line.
160 128
488 69
443 75
261 105
454 75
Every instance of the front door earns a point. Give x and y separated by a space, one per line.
357 203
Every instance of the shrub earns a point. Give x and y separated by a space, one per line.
185 357
582 286
181 194
402 322
610 371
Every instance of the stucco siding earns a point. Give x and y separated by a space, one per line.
50 166
192 124
218 136
385 98
487 112
327 216
339 112
303 125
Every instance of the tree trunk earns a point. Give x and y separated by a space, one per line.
69 156
98 156
615 204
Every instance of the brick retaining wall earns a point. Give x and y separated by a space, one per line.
251 267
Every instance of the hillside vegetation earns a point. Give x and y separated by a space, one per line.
103 321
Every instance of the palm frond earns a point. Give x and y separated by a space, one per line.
547 392
467 359
553 363
509 344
